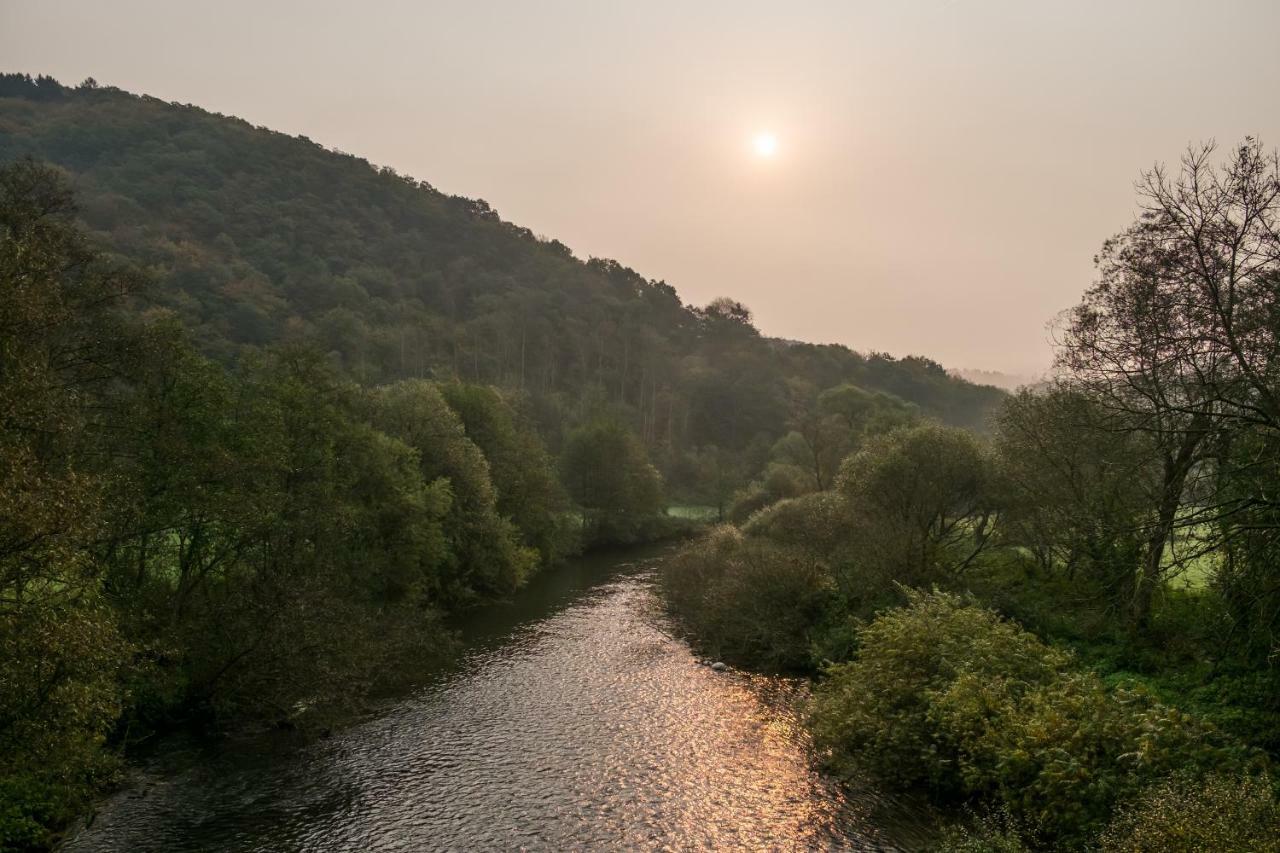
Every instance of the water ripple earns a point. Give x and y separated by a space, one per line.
590 728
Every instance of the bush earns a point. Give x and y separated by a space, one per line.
816 522
779 482
997 833
1218 814
748 601
876 710
1062 755
946 693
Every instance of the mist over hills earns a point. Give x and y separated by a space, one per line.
998 378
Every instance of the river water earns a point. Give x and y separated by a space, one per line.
574 720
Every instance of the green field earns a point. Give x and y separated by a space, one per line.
693 512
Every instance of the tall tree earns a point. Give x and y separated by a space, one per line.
60 649
1179 334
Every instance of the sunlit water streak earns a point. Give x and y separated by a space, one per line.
589 726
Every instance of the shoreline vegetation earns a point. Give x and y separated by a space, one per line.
1064 631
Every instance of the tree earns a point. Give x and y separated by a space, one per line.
864 412
60 648
923 501
610 479
486 554
1179 334
717 475
524 477
1076 485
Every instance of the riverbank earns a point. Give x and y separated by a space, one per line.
573 717
937 690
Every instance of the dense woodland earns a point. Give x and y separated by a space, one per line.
268 414
258 238
1072 626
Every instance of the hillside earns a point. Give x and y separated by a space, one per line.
256 237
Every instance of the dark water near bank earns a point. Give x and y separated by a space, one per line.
574 720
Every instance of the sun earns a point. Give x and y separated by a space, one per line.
765 144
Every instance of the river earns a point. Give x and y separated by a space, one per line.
573 719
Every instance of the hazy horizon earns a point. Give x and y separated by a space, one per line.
944 172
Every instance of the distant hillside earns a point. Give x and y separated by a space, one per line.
255 237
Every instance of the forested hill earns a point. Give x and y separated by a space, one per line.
255 237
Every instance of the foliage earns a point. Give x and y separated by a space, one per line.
946 693
60 650
748 601
1063 755
816 522
609 477
1077 484
878 706
923 501
486 553
1189 814
60 666
523 472
996 833
1178 335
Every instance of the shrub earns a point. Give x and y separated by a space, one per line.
779 482
1062 755
816 522
1184 814
749 601
749 500
997 833
946 693
877 707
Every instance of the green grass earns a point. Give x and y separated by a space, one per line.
1196 572
693 512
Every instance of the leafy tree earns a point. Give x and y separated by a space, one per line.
866 412
1178 334
527 489
60 650
923 499
610 479
718 474
485 550
1077 485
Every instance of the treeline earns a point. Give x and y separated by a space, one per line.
259 238
1124 514
255 541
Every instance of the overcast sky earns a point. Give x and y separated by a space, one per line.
945 169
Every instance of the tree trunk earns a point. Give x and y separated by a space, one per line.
1176 469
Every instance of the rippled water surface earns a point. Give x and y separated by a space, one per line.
575 720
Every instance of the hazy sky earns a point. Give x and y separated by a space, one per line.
945 170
